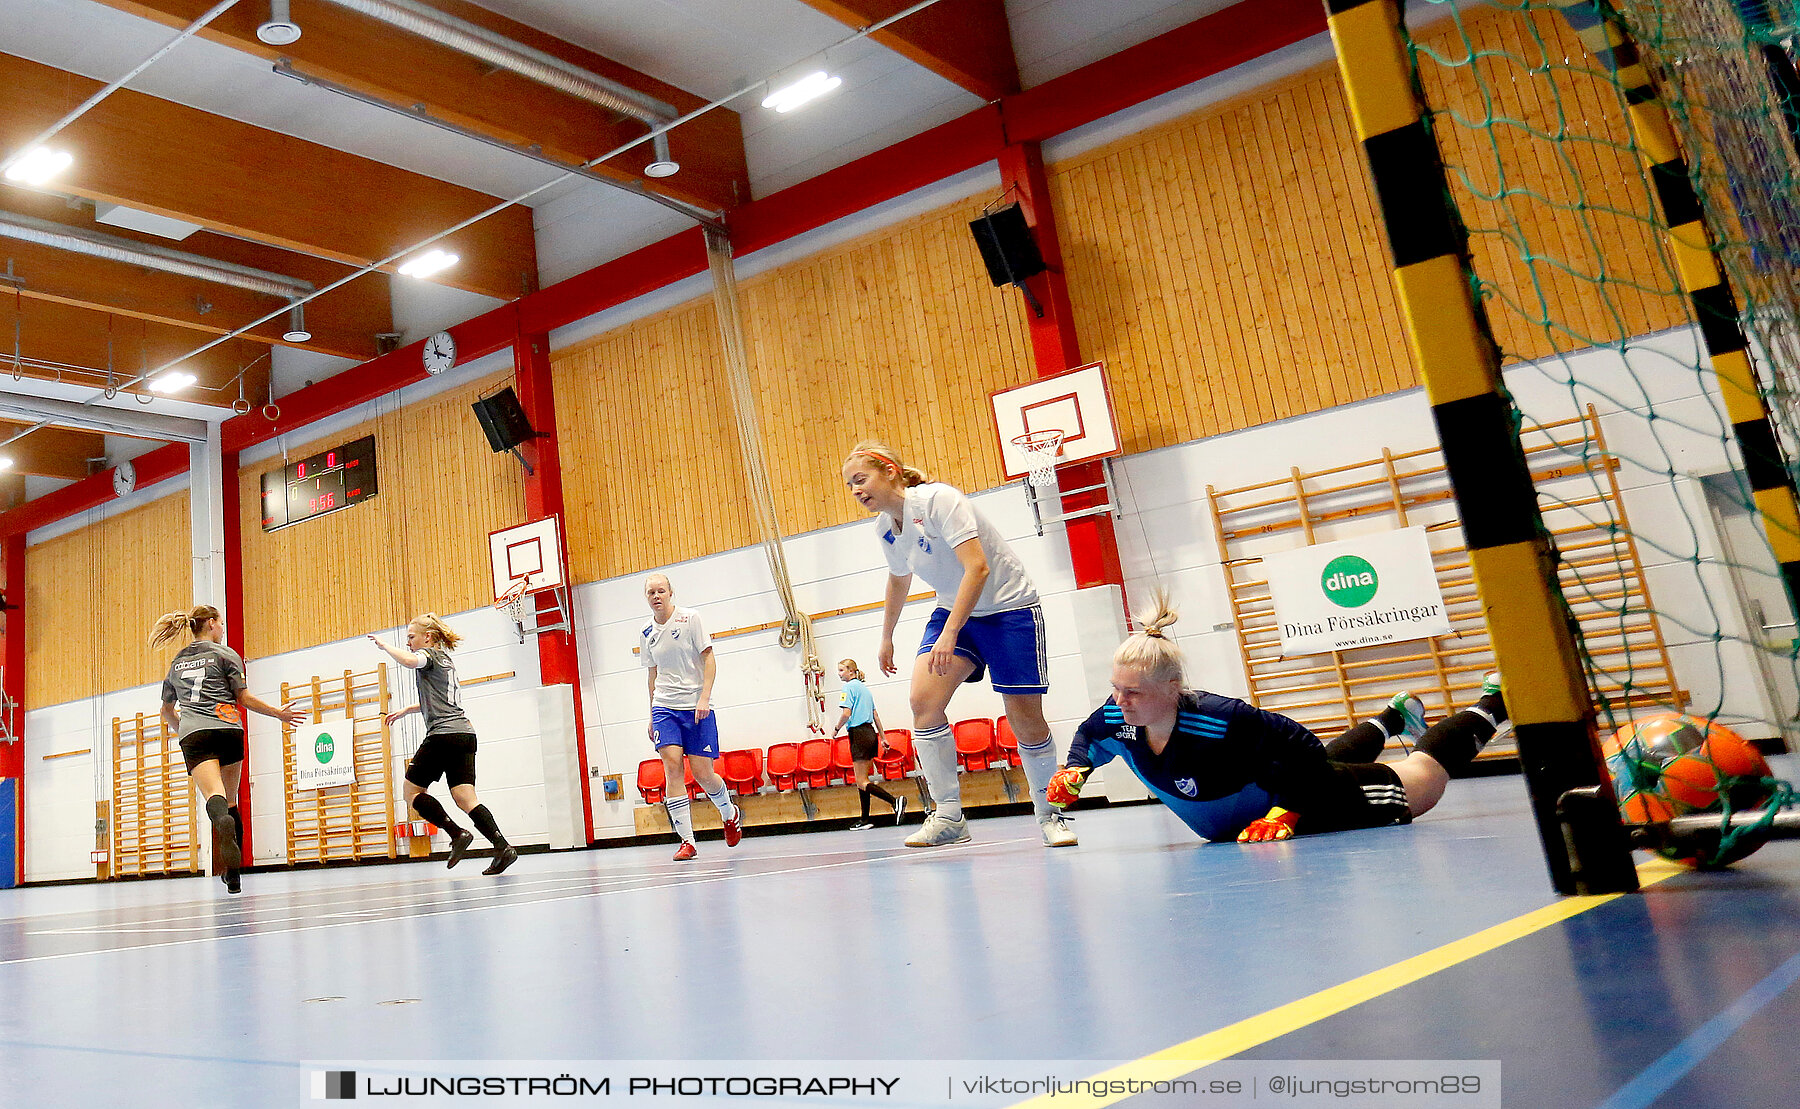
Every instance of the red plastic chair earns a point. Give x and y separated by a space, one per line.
742 770
897 760
652 781
974 743
784 766
1005 742
843 767
815 763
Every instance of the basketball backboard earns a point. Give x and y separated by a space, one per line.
532 552
1074 402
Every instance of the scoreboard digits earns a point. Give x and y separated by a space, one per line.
325 482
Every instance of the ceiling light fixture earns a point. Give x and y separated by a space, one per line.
805 90
5 462
296 330
662 164
38 165
172 382
279 30
431 262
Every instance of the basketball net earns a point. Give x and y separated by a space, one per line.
512 602
1041 449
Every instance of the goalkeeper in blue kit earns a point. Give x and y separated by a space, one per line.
1231 770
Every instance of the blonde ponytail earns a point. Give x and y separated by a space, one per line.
169 625
1150 652
888 459
437 631
855 670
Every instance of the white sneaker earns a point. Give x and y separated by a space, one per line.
940 832
1057 832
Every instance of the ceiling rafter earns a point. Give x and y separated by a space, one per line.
63 342
343 322
410 71
57 452
246 181
966 42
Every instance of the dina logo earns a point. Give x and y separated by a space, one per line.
323 747
1349 581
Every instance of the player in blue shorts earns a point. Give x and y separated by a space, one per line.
987 620
1229 769
679 655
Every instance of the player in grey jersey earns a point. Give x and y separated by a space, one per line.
449 747
200 700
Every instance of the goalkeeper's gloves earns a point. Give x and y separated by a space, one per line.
1065 786
1278 823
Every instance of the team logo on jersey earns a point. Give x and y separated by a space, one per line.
1188 787
924 544
888 538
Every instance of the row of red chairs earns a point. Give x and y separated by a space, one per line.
817 763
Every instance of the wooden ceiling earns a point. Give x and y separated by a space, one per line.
309 212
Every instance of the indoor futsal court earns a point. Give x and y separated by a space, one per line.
863 553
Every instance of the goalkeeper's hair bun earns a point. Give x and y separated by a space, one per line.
1151 651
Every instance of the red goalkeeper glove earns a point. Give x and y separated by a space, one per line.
1278 824
1065 786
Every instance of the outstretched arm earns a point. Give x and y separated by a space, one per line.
287 713
401 655
393 718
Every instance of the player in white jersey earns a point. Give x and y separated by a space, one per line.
449 746
200 699
679 655
987 620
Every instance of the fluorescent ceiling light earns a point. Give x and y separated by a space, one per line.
38 165
5 462
808 88
433 261
173 381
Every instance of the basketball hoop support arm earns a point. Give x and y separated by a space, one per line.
1110 507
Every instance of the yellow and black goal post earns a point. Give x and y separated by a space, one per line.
1513 557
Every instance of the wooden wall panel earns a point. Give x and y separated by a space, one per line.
897 335
91 597
420 545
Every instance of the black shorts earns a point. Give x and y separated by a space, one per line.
450 756
224 744
865 742
1358 795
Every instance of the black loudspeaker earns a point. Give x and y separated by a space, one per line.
1007 247
503 419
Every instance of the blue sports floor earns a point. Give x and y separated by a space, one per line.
845 946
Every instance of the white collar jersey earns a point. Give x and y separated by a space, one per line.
675 649
937 519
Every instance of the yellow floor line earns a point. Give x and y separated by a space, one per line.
1202 1051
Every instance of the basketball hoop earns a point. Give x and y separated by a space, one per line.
1040 448
512 602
